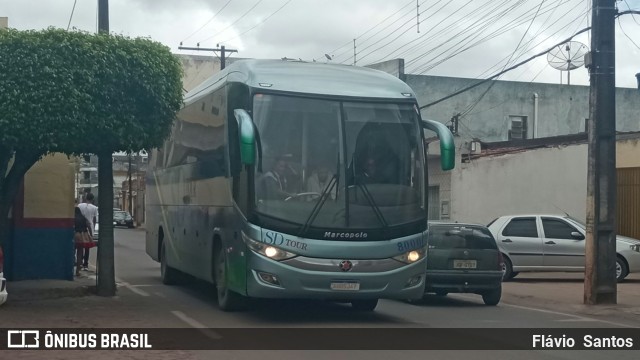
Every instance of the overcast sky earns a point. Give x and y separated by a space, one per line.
462 38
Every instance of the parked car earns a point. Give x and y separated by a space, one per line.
463 258
543 242
123 218
3 281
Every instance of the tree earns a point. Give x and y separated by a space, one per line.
76 92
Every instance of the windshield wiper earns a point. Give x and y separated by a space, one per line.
323 198
316 209
373 204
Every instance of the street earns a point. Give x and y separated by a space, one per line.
143 301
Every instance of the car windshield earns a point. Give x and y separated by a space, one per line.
460 237
337 165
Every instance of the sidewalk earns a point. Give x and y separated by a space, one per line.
564 292
33 290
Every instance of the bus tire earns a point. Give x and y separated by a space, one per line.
169 275
228 300
364 305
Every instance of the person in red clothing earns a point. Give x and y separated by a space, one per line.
82 236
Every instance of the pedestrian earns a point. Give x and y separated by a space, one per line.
90 212
81 237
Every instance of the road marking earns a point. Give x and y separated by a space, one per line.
133 288
126 284
196 324
581 318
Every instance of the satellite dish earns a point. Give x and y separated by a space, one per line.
568 56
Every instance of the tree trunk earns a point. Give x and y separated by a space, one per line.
106 268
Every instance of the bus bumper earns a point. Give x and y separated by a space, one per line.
271 279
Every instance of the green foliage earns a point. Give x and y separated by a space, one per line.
76 92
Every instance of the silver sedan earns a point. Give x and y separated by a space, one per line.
553 243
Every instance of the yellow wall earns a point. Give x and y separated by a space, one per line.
49 188
628 153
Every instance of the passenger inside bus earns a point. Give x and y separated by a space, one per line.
319 180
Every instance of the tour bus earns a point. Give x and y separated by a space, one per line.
298 180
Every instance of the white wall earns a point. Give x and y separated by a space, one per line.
549 180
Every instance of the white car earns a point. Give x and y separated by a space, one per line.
553 243
3 281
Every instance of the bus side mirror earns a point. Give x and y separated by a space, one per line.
447 145
247 133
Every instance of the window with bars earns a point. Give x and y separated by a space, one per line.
518 128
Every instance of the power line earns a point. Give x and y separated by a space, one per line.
527 46
586 16
260 23
625 34
409 12
423 34
209 21
388 35
464 42
476 27
428 65
72 11
470 108
632 15
504 71
233 23
373 27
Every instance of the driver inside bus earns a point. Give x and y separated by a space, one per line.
274 181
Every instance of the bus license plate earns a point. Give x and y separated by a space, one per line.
345 286
464 264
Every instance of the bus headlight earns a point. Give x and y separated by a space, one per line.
411 256
267 250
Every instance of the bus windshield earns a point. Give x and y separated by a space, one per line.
331 164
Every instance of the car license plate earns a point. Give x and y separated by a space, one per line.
464 264
345 286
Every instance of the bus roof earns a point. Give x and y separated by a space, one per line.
307 78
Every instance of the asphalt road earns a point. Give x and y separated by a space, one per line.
139 274
143 301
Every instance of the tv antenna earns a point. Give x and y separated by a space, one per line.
566 57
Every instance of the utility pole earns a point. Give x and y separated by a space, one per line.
600 253
129 199
354 52
222 49
106 276
418 15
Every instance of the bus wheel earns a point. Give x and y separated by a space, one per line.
364 305
169 275
227 299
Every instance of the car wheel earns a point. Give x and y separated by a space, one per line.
621 269
228 300
507 269
364 305
492 297
169 275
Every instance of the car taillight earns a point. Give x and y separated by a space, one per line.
500 261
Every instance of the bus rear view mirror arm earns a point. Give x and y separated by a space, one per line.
447 145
